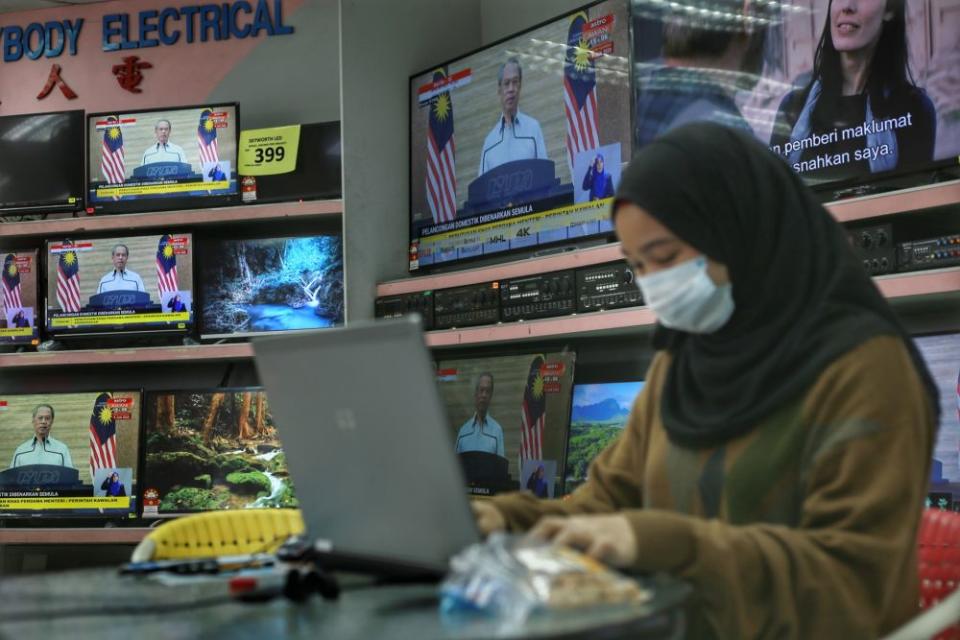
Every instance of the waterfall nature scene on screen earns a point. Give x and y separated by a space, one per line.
275 284
214 450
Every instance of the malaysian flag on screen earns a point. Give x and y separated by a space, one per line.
111 153
103 435
533 414
207 137
166 266
441 156
580 91
11 283
68 280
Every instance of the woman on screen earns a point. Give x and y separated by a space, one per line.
861 112
537 484
113 487
777 457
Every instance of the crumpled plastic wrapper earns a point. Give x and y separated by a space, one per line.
510 577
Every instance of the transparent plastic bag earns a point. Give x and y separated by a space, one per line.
510 577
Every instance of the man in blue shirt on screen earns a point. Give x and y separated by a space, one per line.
163 150
481 432
121 278
42 448
516 136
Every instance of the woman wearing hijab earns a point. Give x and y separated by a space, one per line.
861 100
113 487
537 484
597 181
778 454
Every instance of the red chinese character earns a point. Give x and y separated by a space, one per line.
128 74
53 80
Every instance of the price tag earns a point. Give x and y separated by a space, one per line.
267 152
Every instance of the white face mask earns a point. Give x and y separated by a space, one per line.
685 298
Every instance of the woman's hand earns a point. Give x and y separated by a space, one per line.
607 538
489 519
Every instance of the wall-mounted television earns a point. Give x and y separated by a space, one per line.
520 145
19 308
597 417
509 417
258 286
70 454
845 95
121 284
941 352
41 162
212 450
171 158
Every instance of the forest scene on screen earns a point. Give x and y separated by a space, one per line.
208 451
273 285
598 416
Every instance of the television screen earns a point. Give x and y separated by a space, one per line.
211 450
318 171
942 355
162 158
521 144
598 415
41 162
879 99
509 418
19 315
119 285
70 454
271 284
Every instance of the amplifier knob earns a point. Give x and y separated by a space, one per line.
627 276
866 241
881 238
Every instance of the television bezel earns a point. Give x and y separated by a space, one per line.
200 297
173 203
509 254
25 209
149 395
120 332
136 496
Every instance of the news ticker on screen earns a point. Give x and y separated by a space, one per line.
160 189
523 231
17 333
51 503
81 320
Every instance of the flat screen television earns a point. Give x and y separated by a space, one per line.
257 286
155 159
70 454
122 284
509 417
789 83
520 145
212 450
941 352
597 417
318 173
19 308
41 162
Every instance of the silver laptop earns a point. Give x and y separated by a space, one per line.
368 446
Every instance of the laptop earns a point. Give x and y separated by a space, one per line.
368 447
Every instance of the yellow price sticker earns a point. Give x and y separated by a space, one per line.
267 152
